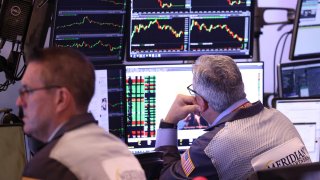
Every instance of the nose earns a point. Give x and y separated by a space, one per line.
19 101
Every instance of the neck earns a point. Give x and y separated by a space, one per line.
210 115
61 118
243 103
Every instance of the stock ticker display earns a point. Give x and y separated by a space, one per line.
94 27
141 101
107 104
180 29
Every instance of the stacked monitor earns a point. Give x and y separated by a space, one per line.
130 100
182 29
299 79
94 27
157 29
304 113
306 37
299 86
150 91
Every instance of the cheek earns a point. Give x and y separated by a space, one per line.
36 117
35 110
32 108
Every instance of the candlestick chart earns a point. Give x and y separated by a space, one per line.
179 30
217 33
158 34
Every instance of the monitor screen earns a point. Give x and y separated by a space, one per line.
94 27
299 79
180 30
304 113
306 37
150 91
107 104
307 132
252 76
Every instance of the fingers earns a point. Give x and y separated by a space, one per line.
181 107
186 100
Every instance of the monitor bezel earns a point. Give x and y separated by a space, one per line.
96 62
292 65
292 49
120 67
182 148
263 74
188 57
295 99
298 99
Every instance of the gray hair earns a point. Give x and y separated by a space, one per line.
218 80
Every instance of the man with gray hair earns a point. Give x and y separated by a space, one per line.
242 136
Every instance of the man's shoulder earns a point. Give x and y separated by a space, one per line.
90 139
42 165
98 149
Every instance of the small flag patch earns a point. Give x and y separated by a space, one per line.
186 163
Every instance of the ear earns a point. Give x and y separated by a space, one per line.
202 103
63 99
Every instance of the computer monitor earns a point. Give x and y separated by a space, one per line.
180 30
95 27
304 113
253 79
108 102
305 36
307 132
308 171
299 79
150 91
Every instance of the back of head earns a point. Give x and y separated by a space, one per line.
68 68
218 80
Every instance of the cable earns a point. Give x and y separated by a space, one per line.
283 46
18 75
280 61
4 86
274 62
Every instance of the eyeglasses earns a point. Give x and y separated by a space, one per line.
191 91
24 90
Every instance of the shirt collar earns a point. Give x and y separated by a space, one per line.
74 122
55 132
228 111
